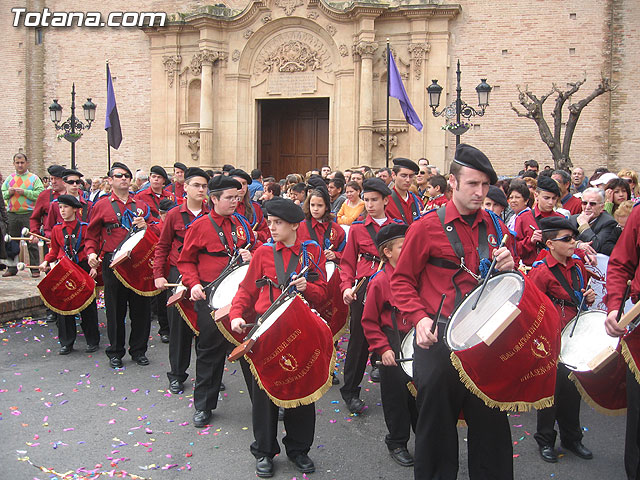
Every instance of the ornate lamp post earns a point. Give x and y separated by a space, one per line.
73 126
458 108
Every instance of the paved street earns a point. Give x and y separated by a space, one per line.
74 414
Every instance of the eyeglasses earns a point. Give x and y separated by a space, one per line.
73 182
628 180
565 239
120 175
199 186
593 204
422 173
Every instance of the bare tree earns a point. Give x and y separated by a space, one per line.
559 148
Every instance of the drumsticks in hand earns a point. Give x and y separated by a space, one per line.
437 317
489 273
575 322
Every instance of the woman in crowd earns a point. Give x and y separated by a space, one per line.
632 178
518 197
616 191
353 206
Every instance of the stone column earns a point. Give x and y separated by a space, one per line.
206 58
365 124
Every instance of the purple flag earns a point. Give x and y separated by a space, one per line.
112 120
396 90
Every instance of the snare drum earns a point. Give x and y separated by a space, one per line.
132 262
589 341
406 351
226 286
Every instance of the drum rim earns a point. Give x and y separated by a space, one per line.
569 326
221 279
406 365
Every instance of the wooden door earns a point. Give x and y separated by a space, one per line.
294 136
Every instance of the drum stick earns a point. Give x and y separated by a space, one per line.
532 228
25 232
361 282
627 291
171 285
21 266
8 238
489 273
435 320
398 360
575 322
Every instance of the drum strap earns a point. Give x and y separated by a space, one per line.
223 238
70 249
575 279
185 220
157 204
394 321
119 215
314 236
281 274
414 207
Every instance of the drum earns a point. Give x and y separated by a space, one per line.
293 361
226 286
179 293
506 349
123 252
67 289
406 351
589 341
331 268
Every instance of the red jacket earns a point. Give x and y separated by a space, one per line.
256 220
172 239
56 248
41 210
417 284
377 312
336 241
624 262
548 284
572 203
153 199
360 254
393 212
105 225
251 298
54 217
436 202
524 221
203 255
177 190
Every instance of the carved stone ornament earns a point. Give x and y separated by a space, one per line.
171 63
235 56
331 29
289 6
366 49
266 18
193 142
293 56
418 52
344 50
313 15
247 34
393 142
207 57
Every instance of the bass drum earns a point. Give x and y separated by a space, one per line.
225 288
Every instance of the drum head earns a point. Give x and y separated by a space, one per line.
129 242
406 350
331 268
461 330
271 319
589 339
227 288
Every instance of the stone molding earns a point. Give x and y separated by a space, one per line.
171 63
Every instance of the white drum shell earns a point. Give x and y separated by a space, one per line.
589 339
222 295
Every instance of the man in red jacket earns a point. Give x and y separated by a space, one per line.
152 195
404 205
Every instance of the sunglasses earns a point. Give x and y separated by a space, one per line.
422 173
73 182
593 204
565 239
120 175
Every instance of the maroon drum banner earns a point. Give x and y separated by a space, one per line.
518 370
223 322
67 289
333 309
136 272
631 351
606 389
188 314
292 361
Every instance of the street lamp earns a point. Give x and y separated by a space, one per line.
458 108
73 126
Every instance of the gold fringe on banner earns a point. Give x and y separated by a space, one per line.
184 317
153 293
69 312
309 399
491 403
591 402
225 333
412 389
626 353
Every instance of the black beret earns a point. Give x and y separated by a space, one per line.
195 172
471 157
548 184
406 163
227 167
285 209
550 224
497 195
158 170
166 204
316 181
180 166
56 171
68 172
121 166
69 200
222 182
391 231
237 172
375 185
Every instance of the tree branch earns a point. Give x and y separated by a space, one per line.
563 96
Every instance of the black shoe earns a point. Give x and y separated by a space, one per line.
334 379
303 463
115 362
176 386
65 350
201 418
51 317
579 449
355 405
91 348
280 414
264 467
164 338
375 375
548 453
222 387
401 456
141 360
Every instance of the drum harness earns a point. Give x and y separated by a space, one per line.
398 203
72 250
574 293
122 217
326 240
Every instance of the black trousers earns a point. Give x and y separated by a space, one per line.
17 222
632 440
441 397
211 350
117 298
357 349
180 339
565 410
159 310
398 405
299 423
67 328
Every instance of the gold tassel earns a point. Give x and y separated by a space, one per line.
69 312
412 389
626 353
225 333
591 402
184 317
139 292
